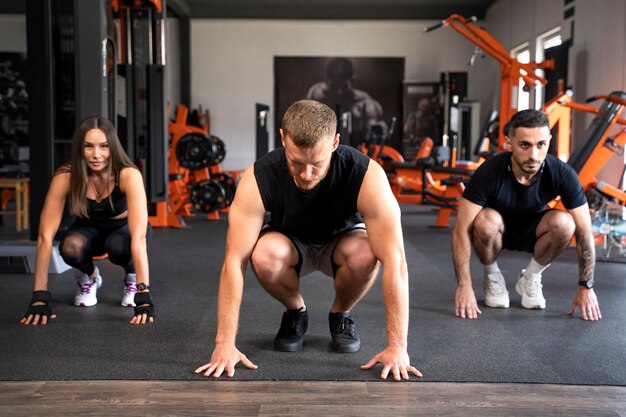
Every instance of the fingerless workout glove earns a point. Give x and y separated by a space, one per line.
144 304
41 310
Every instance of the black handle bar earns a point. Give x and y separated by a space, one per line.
470 19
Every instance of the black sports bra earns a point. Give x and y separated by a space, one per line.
103 209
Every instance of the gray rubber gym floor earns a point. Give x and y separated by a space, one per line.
512 345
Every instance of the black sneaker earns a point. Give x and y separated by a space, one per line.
343 333
292 329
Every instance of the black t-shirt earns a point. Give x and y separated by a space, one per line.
318 215
494 185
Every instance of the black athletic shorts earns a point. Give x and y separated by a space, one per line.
521 235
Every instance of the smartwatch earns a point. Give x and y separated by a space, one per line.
586 283
142 287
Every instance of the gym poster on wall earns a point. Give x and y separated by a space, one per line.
363 92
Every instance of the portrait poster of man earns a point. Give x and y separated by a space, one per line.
368 90
422 115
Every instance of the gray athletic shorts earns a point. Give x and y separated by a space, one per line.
317 257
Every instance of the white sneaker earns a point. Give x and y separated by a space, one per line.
529 287
87 288
130 288
496 295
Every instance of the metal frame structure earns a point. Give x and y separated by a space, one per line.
511 70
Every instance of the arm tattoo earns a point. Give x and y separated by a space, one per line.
586 249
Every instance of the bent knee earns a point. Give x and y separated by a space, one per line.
560 223
266 264
487 224
272 256
73 247
356 255
361 265
117 247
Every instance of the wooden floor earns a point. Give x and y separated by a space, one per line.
298 398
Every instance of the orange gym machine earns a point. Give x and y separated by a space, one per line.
511 70
407 178
425 181
442 187
374 146
429 180
196 180
607 202
559 111
597 146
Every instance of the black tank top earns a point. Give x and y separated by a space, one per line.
103 209
314 216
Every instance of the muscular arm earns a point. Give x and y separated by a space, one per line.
381 213
382 218
585 247
585 244
49 223
131 184
465 300
245 219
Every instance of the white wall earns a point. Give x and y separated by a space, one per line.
12 33
232 64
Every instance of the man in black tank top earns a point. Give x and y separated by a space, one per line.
314 205
504 207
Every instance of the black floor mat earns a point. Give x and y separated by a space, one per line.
512 345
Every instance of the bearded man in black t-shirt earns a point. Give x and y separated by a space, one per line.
505 207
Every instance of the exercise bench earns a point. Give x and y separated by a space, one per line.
20 188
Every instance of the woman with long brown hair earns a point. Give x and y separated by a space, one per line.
105 193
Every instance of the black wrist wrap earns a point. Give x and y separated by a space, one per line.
40 310
41 296
143 303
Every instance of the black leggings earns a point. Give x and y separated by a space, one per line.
87 238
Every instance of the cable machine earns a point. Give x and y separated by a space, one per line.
140 105
511 70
